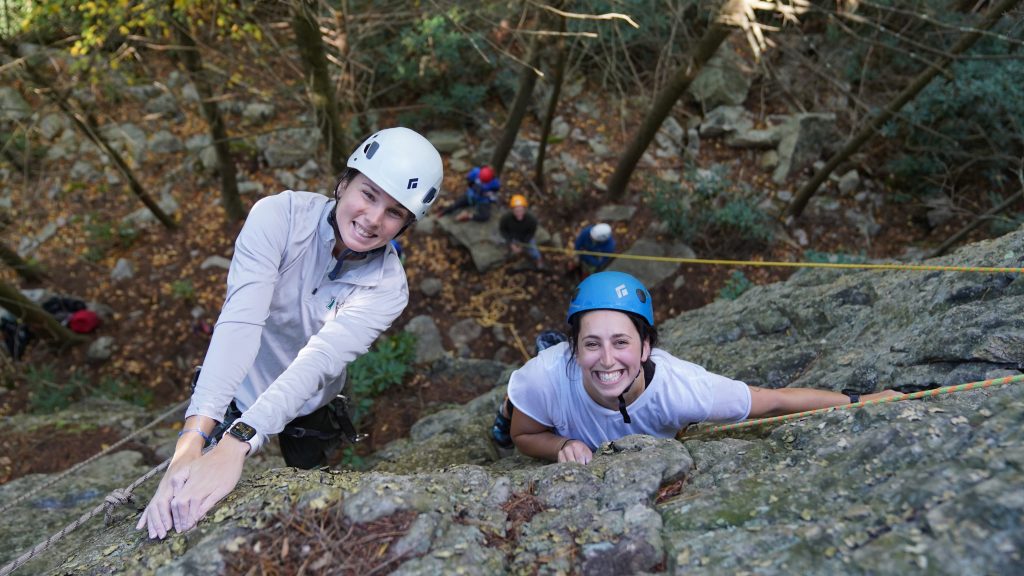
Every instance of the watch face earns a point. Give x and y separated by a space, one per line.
242 431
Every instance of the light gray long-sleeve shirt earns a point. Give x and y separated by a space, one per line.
287 331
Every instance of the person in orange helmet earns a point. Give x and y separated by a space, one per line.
518 228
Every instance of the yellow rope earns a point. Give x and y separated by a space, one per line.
978 385
492 305
842 266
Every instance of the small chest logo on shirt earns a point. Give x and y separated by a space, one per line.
331 303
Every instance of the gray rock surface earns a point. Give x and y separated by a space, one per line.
429 346
804 138
724 80
930 486
483 240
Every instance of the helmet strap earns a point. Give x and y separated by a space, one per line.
622 399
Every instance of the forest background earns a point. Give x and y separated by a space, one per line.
134 137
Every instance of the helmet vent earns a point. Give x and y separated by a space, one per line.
641 295
430 195
370 149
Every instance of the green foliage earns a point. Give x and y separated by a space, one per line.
737 284
980 110
672 207
436 56
379 369
743 217
834 258
131 392
567 197
627 58
19 147
47 395
351 459
708 204
103 24
183 290
11 13
104 236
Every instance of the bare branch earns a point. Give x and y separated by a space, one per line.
576 16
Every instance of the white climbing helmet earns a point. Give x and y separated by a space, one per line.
404 164
600 232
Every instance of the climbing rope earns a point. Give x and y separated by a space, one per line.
104 452
115 498
492 304
978 385
837 265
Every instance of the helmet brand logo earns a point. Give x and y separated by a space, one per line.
621 291
413 182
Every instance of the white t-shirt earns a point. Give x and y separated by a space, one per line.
287 331
680 394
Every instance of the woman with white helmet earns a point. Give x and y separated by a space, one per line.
609 381
312 283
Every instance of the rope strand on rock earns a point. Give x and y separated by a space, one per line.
51 481
978 385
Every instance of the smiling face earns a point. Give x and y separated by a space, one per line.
610 353
368 217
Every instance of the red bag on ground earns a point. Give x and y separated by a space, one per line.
83 321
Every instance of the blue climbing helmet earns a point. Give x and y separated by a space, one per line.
612 291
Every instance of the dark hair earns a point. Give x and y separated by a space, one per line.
647 334
345 178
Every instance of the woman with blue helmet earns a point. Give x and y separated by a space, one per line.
609 381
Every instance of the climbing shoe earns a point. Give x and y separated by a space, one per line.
501 431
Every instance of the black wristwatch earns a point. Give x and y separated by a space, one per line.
242 431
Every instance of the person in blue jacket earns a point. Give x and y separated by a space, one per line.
596 238
482 186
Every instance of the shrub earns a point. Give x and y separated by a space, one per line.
834 258
737 284
708 205
46 394
130 392
104 236
183 290
379 369
437 56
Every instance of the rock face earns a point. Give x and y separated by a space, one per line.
926 486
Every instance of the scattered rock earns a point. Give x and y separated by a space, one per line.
123 270
431 286
849 183
428 339
463 335
101 349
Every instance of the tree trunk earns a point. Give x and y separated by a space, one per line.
318 81
232 201
557 77
86 128
527 80
908 94
38 320
706 47
28 272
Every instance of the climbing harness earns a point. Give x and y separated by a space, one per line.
977 385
